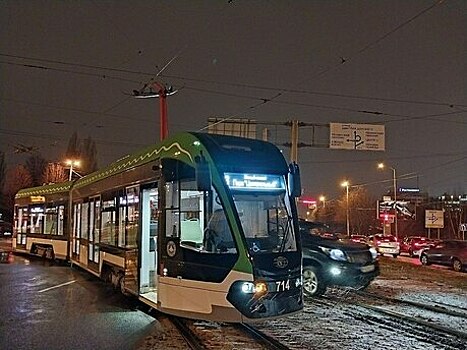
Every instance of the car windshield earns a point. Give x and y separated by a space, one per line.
266 220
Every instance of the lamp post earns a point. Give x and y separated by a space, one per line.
394 184
71 163
346 185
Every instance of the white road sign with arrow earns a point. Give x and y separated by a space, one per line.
362 137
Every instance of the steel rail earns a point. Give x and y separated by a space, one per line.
434 308
266 340
192 340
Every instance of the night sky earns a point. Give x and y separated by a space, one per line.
70 66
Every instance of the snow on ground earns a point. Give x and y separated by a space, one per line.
343 326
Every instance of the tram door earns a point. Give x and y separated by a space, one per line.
149 227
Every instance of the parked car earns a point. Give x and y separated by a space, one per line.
413 245
6 229
358 238
329 261
6 256
385 244
450 253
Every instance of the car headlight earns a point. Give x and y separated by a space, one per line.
374 253
335 254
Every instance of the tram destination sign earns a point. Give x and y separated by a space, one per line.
361 137
254 182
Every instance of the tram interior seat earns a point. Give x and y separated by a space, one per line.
191 233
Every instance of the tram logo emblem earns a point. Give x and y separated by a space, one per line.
281 262
171 249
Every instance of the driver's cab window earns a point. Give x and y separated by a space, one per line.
218 236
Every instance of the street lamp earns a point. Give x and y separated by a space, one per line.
346 185
394 183
71 163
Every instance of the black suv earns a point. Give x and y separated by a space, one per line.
330 261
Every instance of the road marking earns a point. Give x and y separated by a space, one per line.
57 286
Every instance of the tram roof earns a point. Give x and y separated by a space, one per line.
44 190
229 153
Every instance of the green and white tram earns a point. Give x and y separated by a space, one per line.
201 226
41 221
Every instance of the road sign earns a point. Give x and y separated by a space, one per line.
362 137
434 219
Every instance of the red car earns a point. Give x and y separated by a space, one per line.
413 245
358 238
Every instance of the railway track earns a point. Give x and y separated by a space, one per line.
443 308
428 322
200 335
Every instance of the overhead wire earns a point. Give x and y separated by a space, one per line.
214 82
281 92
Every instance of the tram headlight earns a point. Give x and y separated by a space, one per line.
261 288
248 287
256 288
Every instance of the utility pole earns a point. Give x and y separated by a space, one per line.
294 142
162 93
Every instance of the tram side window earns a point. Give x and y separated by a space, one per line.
23 220
132 195
94 229
37 219
108 222
172 209
191 214
50 227
196 217
76 226
61 219
84 220
96 226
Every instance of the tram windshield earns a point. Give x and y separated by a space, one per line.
264 210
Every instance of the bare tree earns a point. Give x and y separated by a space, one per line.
54 173
73 150
88 156
16 179
83 150
2 170
36 165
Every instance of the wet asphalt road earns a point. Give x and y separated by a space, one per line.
45 306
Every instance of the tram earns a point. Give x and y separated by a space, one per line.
201 226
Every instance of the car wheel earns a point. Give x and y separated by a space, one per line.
313 284
395 255
457 265
424 260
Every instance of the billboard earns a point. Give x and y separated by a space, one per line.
362 137
388 208
233 126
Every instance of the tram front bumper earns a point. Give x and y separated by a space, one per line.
267 300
